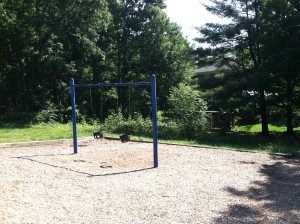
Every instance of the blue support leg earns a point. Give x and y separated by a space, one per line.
154 120
74 115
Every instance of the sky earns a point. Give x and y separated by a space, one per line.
189 14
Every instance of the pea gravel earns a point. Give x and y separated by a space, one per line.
113 182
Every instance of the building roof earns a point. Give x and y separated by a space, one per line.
209 68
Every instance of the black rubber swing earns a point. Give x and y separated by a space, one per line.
125 138
98 134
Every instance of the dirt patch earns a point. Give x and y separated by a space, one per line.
113 182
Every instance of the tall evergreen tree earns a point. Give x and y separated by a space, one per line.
281 47
237 45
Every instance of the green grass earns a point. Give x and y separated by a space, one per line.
257 128
245 141
250 140
25 133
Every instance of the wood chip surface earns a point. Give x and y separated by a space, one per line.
113 182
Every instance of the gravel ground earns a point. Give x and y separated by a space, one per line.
111 182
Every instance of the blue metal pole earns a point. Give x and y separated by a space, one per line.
74 115
154 118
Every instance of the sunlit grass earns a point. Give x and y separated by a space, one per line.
257 128
248 138
16 133
42 132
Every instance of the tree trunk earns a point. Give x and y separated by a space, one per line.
289 120
123 60
289 108
263 114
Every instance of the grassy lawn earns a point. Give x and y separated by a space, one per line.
252 142
257 128
23 133
247 138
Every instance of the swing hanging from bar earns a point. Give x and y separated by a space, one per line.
126 137
98 134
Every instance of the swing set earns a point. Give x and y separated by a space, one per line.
154 109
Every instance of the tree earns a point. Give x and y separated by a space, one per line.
147 42
163 51
44 44
280 38
237 46
128 18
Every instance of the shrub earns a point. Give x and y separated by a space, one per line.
187 110
116 123
46 116
141 126
169 129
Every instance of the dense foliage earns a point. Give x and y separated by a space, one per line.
45 43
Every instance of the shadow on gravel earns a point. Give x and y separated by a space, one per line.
279 195
30 158
123 172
